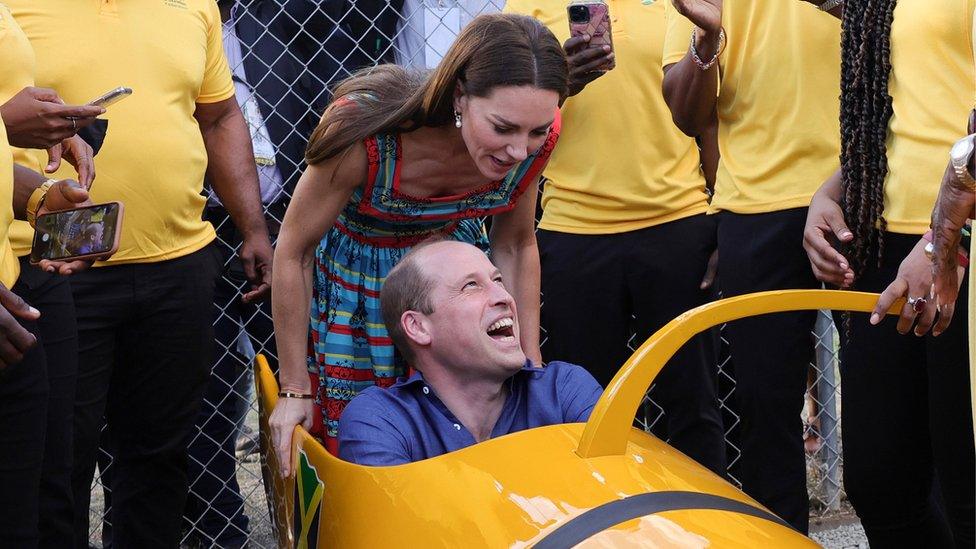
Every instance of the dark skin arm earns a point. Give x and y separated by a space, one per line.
234 178
689 91
15 340
62 195
708 150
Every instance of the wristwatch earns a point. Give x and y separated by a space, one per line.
37 199
960 156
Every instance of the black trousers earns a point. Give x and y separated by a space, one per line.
771 353
592 285
907 423
36 403
215 507
146 346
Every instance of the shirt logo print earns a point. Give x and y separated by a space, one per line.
180 4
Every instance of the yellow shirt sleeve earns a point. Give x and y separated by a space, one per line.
677 35
217 83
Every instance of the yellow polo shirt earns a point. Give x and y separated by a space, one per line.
17 73
620 164
778 105
9 265
932 85
153 159
16 64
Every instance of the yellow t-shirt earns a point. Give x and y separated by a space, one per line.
620 164
932 85
153 158
12 51
778 106
17 73
9 265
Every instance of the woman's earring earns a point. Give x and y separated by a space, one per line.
457 119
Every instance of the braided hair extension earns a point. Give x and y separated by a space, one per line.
864 113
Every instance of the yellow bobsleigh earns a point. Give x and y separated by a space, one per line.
599 484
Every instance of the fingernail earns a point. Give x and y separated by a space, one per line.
606 48
843 265
875 318
33 310
845 234
586 37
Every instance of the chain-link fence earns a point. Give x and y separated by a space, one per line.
286 55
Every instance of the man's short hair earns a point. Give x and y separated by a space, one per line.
406 288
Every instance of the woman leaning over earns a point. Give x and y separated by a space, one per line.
908 83
400 156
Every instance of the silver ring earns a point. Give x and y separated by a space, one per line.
917 304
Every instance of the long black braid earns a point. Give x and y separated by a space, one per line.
864 113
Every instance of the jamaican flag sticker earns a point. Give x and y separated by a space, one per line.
308 503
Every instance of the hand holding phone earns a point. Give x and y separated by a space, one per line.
37 118
592 18
589 55
85 233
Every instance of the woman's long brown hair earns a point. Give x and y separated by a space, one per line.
493 50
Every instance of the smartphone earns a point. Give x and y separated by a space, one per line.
88 232
592 17
111 97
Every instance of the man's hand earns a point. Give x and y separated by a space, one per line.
825 217
288 413
256 256
710 271
36 118
15 340
64 195
705 14
585 62
78 153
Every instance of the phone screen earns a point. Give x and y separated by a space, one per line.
73 233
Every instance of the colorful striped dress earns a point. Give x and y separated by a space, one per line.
349 347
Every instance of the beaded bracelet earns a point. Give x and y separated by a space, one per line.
694 51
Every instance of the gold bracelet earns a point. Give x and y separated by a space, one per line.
36 200
286 394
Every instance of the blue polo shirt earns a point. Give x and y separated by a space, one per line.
407 422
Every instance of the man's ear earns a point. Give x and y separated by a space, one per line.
416 326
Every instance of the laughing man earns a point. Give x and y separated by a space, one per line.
450 316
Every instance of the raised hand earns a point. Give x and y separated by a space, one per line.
705 14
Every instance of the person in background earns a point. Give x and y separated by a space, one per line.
907 407
400 156
427 28
774 155
37 118
447 310
628 223
281 88
145 316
